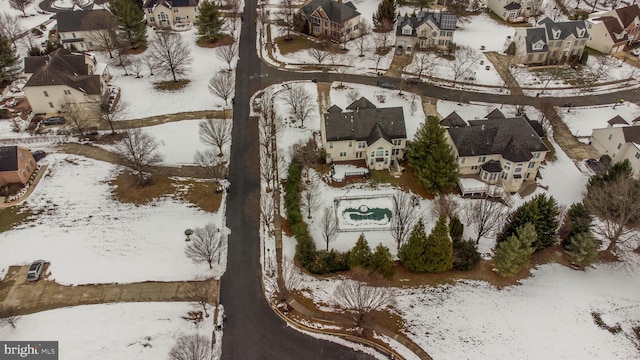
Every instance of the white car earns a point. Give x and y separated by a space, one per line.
636 52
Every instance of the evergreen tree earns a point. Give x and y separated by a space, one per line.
9 61
438 248
432 159
209 21
542 212
622 168
465 254
130 21
381 261
513 254
456 228
412 254
360 253
582 249
385 16
578 221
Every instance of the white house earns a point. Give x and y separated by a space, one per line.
167 13
81 30
425 30
551 42
606 35
515 10
620 141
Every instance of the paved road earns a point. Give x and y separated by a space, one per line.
253 330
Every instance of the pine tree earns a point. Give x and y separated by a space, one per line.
456 228
130 21
579 221
465 254
9 61
582 249
381 261
209 21
513 254
412 254
360 253
432 159
385 16
438 248
542 212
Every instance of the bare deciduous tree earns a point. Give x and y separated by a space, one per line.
364 28
10 27
300 102
20 5
191 347
211 166
80 114
200 291
318 53
286 15
227 53
117 113
403 217
353 95
9 319
329 226
267 211
215 132
267 171
466 59
150 63
222 85
106 38
269 126
486 216
171 54
140 152
136 67
361 300
445 205
205 245
617 208
310 197
423 64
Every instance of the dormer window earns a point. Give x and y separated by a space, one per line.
556 33
406 30
537 45
581 32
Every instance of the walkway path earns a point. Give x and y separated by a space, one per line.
23 297
575 149
501 64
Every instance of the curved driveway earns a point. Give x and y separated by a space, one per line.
253 330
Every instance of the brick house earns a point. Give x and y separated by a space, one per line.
16 165
331 19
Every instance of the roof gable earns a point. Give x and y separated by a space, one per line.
88 20
335 11
361 103
631 134
629 15
359 124
453 120
62 67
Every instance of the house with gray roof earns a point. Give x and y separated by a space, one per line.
169 13
84 30
331 19
515 10
16 165
427 29
64 76
364 132
497 151
551 42
620 141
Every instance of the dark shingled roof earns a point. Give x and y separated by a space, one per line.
443 20
536 126
366 124
170 3
616 32
566 28
495 114
631 134
628 14
513 138
65 68
617 120
361 103
453 120
533 36
337 12
83 20
33 63
512 6
492 166
334 109
8 158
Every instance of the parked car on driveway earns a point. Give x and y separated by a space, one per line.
35 270
636 52
414 80
38 155
54 120
386 85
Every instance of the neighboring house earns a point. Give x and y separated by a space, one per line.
167 13
496 150
551 42
64 75
606 35
620 141
628 18
331 19
364 132
16 165
515 10
425 30
81 30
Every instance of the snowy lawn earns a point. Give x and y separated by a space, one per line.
111 331
582 120
91 238
35 15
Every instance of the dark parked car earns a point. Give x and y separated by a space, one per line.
38 155
35 270
386 85
54 120
414 80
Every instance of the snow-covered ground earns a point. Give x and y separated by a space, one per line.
582 120
111 331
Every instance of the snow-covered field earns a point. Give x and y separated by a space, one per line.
582 120
111 331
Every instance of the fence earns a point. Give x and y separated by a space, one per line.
342 228
50 139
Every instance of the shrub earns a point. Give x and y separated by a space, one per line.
381 261
456 228
465 254
360 253
582 249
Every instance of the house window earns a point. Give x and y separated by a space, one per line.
482 159
177 18
397 142
51 105
350 143
358 154
462 160
151 19
532 165
67 92
379 152
175 10
507 167
518 169
637 155
163 17
395 151
406 31
619 146
474 167
330 145
73 35
504 176
343 154
362 144
46 94
610 136
536 155
150 11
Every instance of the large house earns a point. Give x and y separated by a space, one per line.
551 42
167 13
614 30
331 19
495 150
425 30
16 165
515 10
82 30
620 141
364 132
64 76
